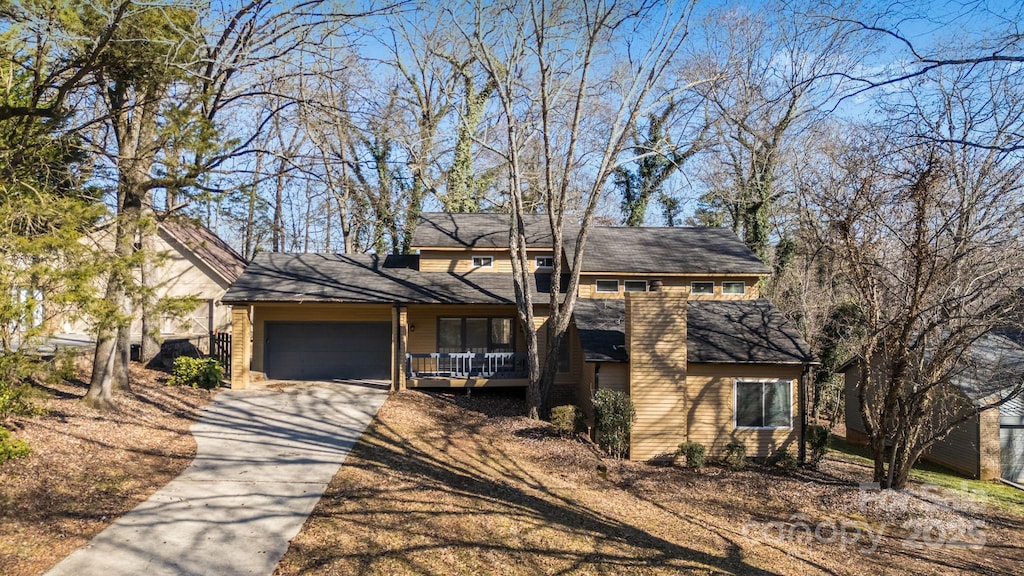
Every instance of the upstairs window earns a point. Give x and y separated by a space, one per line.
764 404
635 285
545 262
734 288
483 261
702 287
607 286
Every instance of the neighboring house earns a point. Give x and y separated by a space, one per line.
989 444
195 263
670 316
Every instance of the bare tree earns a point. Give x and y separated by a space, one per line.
926 240
561 86
775 71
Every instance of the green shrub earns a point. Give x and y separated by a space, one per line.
205 373
11 447
783 459
16 395
817 439
695 454
566 419
735 455
613 419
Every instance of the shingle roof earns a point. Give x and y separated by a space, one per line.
718 331
666 251
207 246
281 277
483 230
993 366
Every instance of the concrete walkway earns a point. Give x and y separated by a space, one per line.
263 460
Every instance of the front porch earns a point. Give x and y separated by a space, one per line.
466 370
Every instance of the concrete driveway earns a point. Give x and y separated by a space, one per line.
264 458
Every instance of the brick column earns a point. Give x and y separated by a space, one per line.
656 343
241 347
990 463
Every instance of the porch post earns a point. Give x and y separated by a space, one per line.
241 347
403 344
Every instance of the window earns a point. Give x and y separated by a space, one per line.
483 261
545 261
477 335
734 288
702 287
764 404
607 285
635 285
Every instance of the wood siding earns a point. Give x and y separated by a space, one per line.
177 274
241 347
461 261
310 313
711 408
614 377
671 284
656 340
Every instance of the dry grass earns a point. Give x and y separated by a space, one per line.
87 468
453 485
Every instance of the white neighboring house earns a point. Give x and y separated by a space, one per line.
196 263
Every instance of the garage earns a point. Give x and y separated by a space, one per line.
327 350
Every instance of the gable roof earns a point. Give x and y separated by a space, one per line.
479 230
366 278
717 332
666 251
211 249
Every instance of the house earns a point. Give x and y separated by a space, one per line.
671 316
194 262
989 444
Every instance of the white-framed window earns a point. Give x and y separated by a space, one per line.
635 285
545 261
702 287
607 286
734 287
764 403
483 261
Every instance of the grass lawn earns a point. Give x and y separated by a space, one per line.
445 484
996 494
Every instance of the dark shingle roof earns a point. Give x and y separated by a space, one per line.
718 331
484 230
745 331
993 366
601 324
207 246
666 251
280 277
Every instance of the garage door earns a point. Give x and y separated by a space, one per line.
327 350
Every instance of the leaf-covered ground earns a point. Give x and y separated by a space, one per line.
444 484
88 467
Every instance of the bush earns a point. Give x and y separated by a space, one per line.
735 456
695 454
16 395
817 439
613 419
205 373
783 459
567 419
11 448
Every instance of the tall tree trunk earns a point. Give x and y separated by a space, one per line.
150 345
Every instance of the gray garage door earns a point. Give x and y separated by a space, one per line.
327 350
